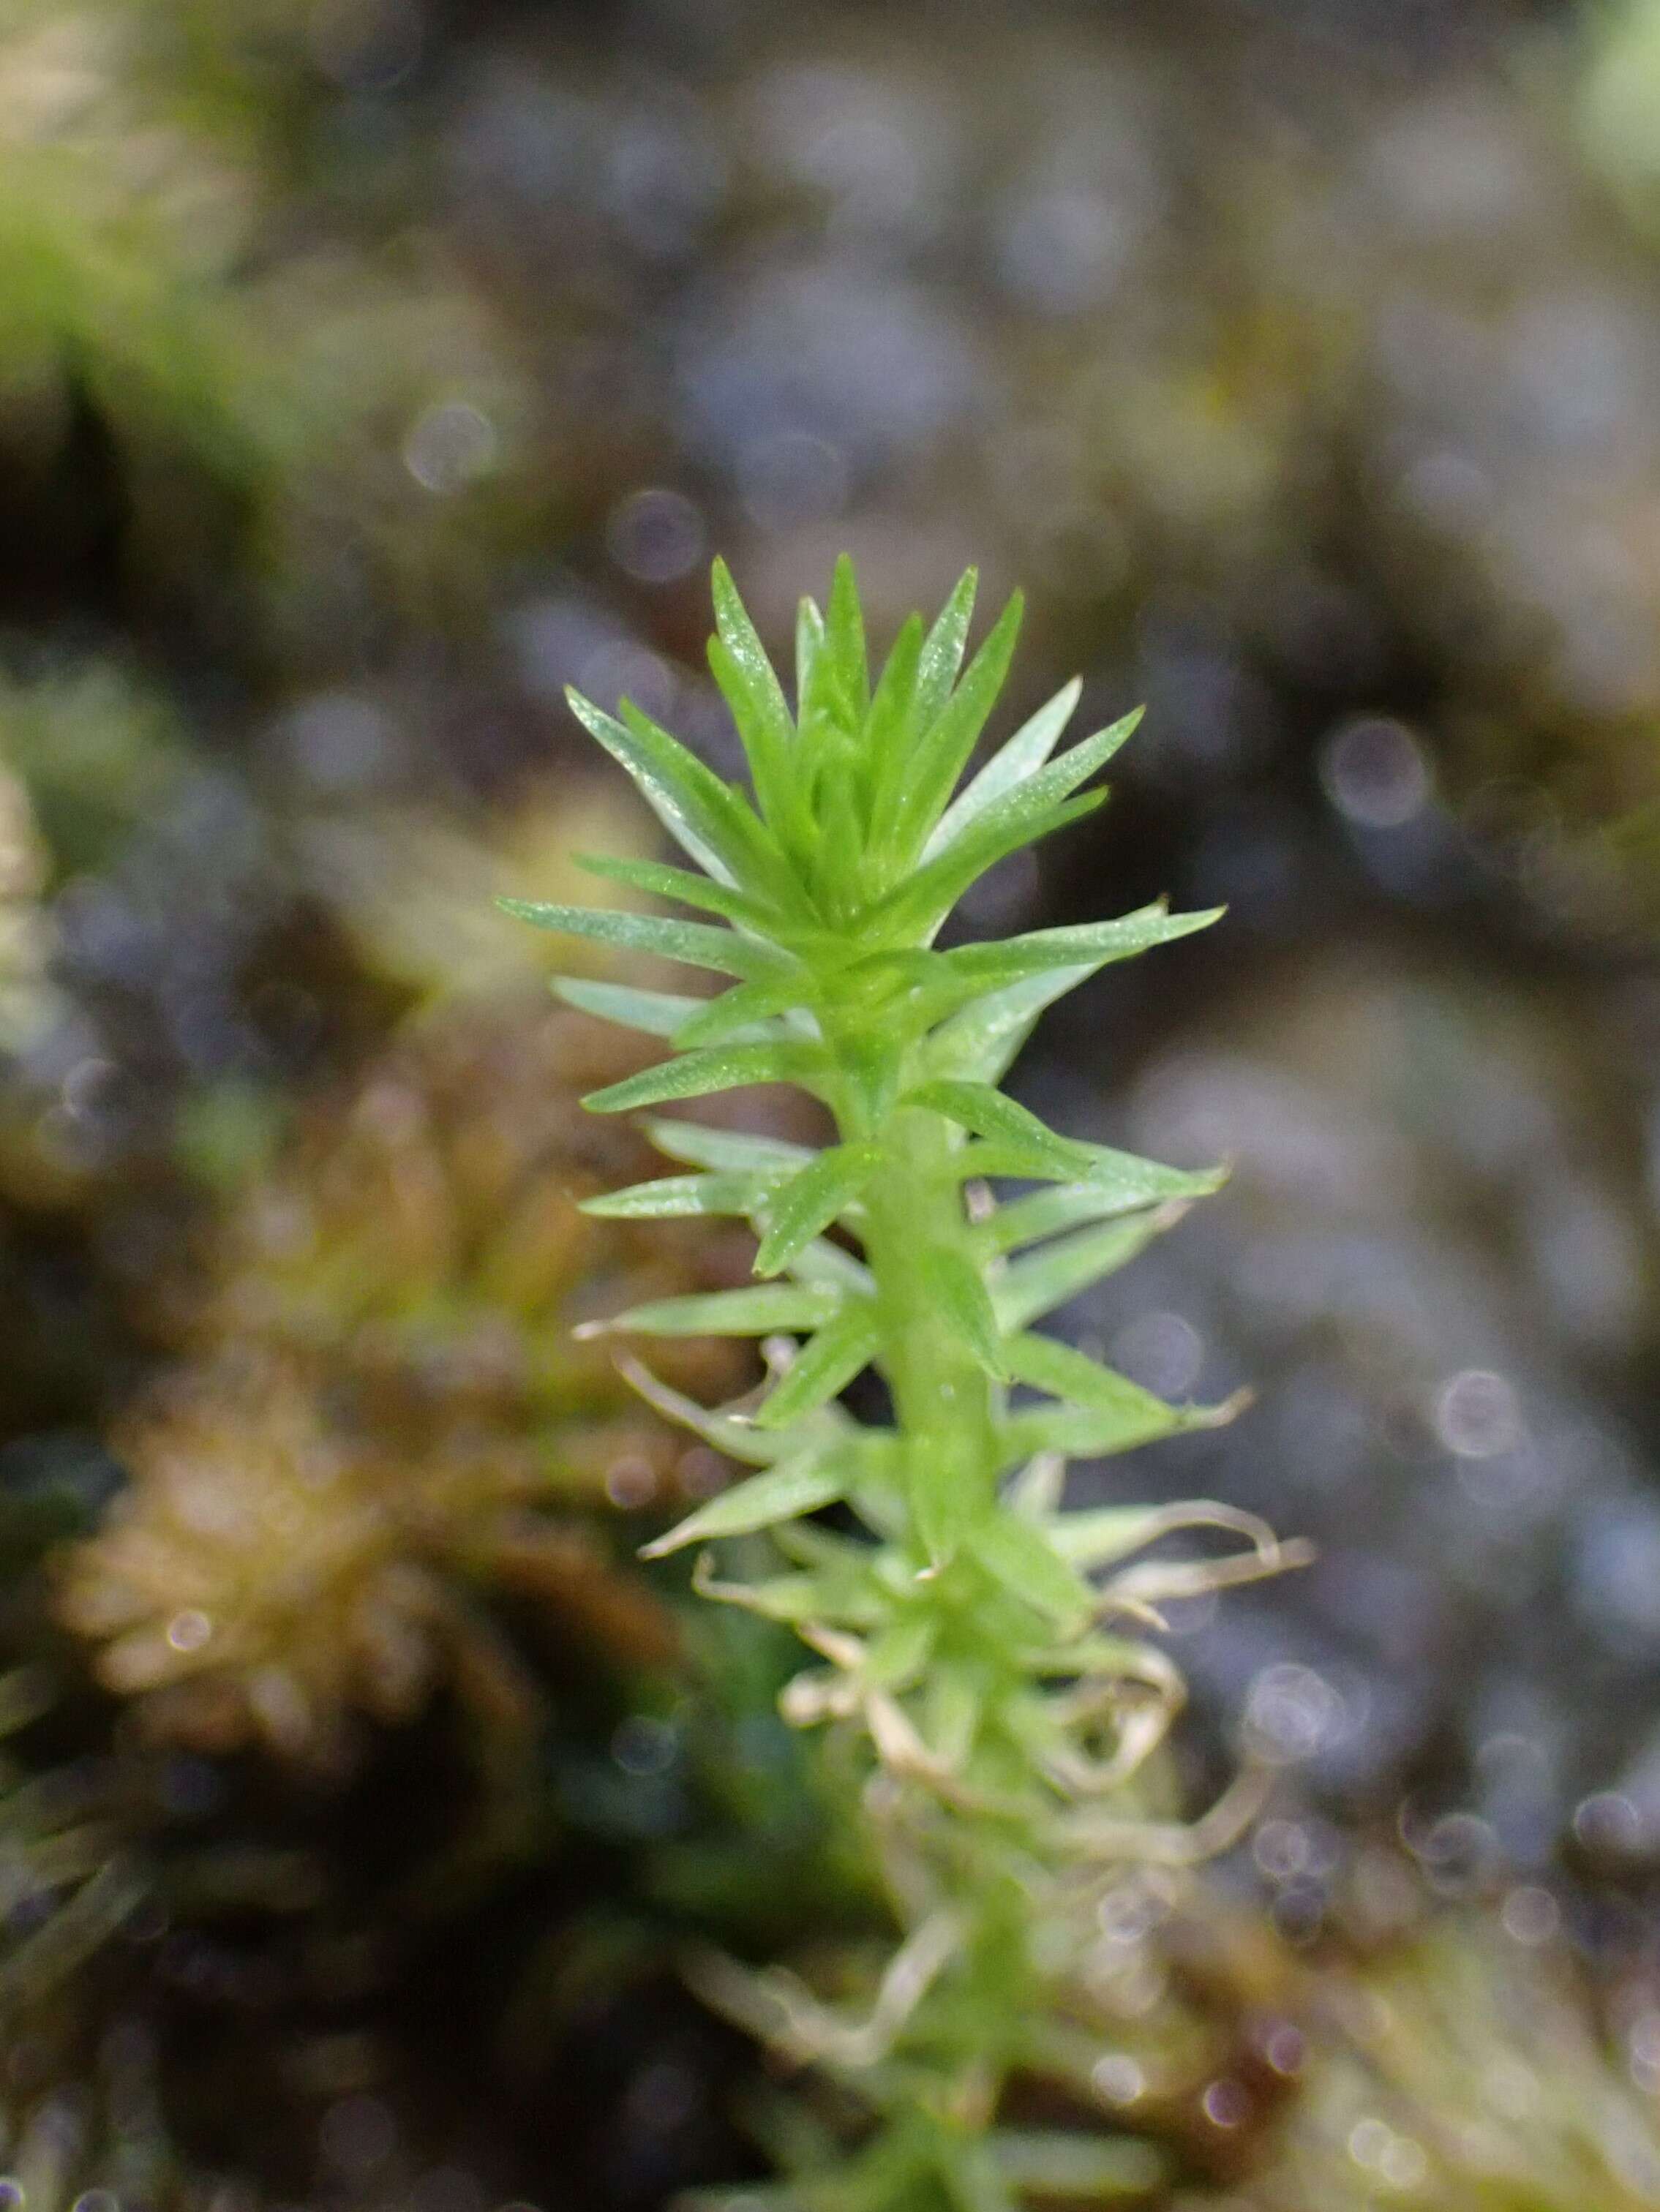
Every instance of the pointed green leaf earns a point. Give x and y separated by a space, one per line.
957 1294
825 1365
842 659
980 1042
806 1206
1103 1412
1091 944
1129 1182
1033 810
1095 1654
1100 1536
809 1544
657 1013
987 1113
938 658
680 791
1004 1157
676 1198
751 1312
1018 1554
737 1439
669 883
913 910
821 1261
809 644
697 1145
942 652
946 1489
1118 1181
1063 1370
838 814
699 1074
783 1493
717 1021
744 843
1014 817
1025 753
797 1600
983 1037
896 1658
954 1705
891 710
696 943
1038 1283
1073 1205
943 747
750 685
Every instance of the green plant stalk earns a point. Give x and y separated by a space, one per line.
1000 1715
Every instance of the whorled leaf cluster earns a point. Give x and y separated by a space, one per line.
1002 1701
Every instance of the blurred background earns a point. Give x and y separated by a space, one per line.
369 369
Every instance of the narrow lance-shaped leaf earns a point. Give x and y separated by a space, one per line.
1010 817
1038 1283
1119 1182
749 685
1100 1536
751 1312
809 644
750 850
993 992
699 1074
676 786
1069 1205
797 1600
807 1205
1021 756
838 810
892 708
722 1431
655 1013
821 1261
781 1493
675 1198
825 1365
939 658
1093 944
1103 1411
718 1020
916 908
663 881
697 1145
987 1113
1020 1556
696 943
942 750
841 668
946 1489
961 1300
943 648
979 1042
1050 1365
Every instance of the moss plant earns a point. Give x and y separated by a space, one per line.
997 1701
